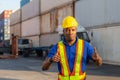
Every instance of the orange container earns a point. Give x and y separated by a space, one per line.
5 14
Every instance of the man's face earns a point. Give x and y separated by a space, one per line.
70 33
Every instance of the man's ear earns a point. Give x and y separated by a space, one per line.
76 29
63 30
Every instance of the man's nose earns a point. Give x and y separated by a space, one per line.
70 31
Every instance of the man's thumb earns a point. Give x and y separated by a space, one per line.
95 50
57 52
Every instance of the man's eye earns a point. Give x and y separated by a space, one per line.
73 29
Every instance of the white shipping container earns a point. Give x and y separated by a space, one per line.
35 40
31 27
30 10
107 42
50 4
11 30
15 17
97 12
15 29
49 39
112 12
63 12
50 21
45 23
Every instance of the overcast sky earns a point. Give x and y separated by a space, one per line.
9 5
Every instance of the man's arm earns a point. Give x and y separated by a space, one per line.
47 63
96 57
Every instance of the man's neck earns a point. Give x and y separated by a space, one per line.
71 42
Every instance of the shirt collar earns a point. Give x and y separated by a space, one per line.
65 42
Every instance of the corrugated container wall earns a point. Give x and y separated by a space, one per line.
1 16
5 24
15 17
5 14
30 10
31 27
2 22
97 12
64 11
50 21
107 42
50 4
24 2
15 29
2 29
41 28
45 23
12 30
6 29
49 39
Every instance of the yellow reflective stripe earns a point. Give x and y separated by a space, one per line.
79 77
60 77
79 57
63 61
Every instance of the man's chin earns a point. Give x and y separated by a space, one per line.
71 40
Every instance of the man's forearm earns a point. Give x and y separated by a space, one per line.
46 64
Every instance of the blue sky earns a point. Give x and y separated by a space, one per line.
9 5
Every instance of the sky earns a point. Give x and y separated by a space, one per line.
9 5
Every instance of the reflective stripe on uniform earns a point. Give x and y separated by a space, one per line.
76 74
63 60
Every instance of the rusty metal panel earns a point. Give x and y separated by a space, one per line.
45 23
15 45
53 20
63 12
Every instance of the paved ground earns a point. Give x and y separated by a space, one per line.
30 69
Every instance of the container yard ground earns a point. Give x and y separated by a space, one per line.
30 69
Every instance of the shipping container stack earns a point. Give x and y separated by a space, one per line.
41 20
5 25
23 2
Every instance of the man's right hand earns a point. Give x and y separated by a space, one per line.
47 63
56 57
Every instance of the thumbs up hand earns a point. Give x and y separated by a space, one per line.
56 57
96 57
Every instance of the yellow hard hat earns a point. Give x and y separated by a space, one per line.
69 21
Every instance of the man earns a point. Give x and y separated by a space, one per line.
71 53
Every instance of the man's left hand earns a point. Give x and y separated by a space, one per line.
96 57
